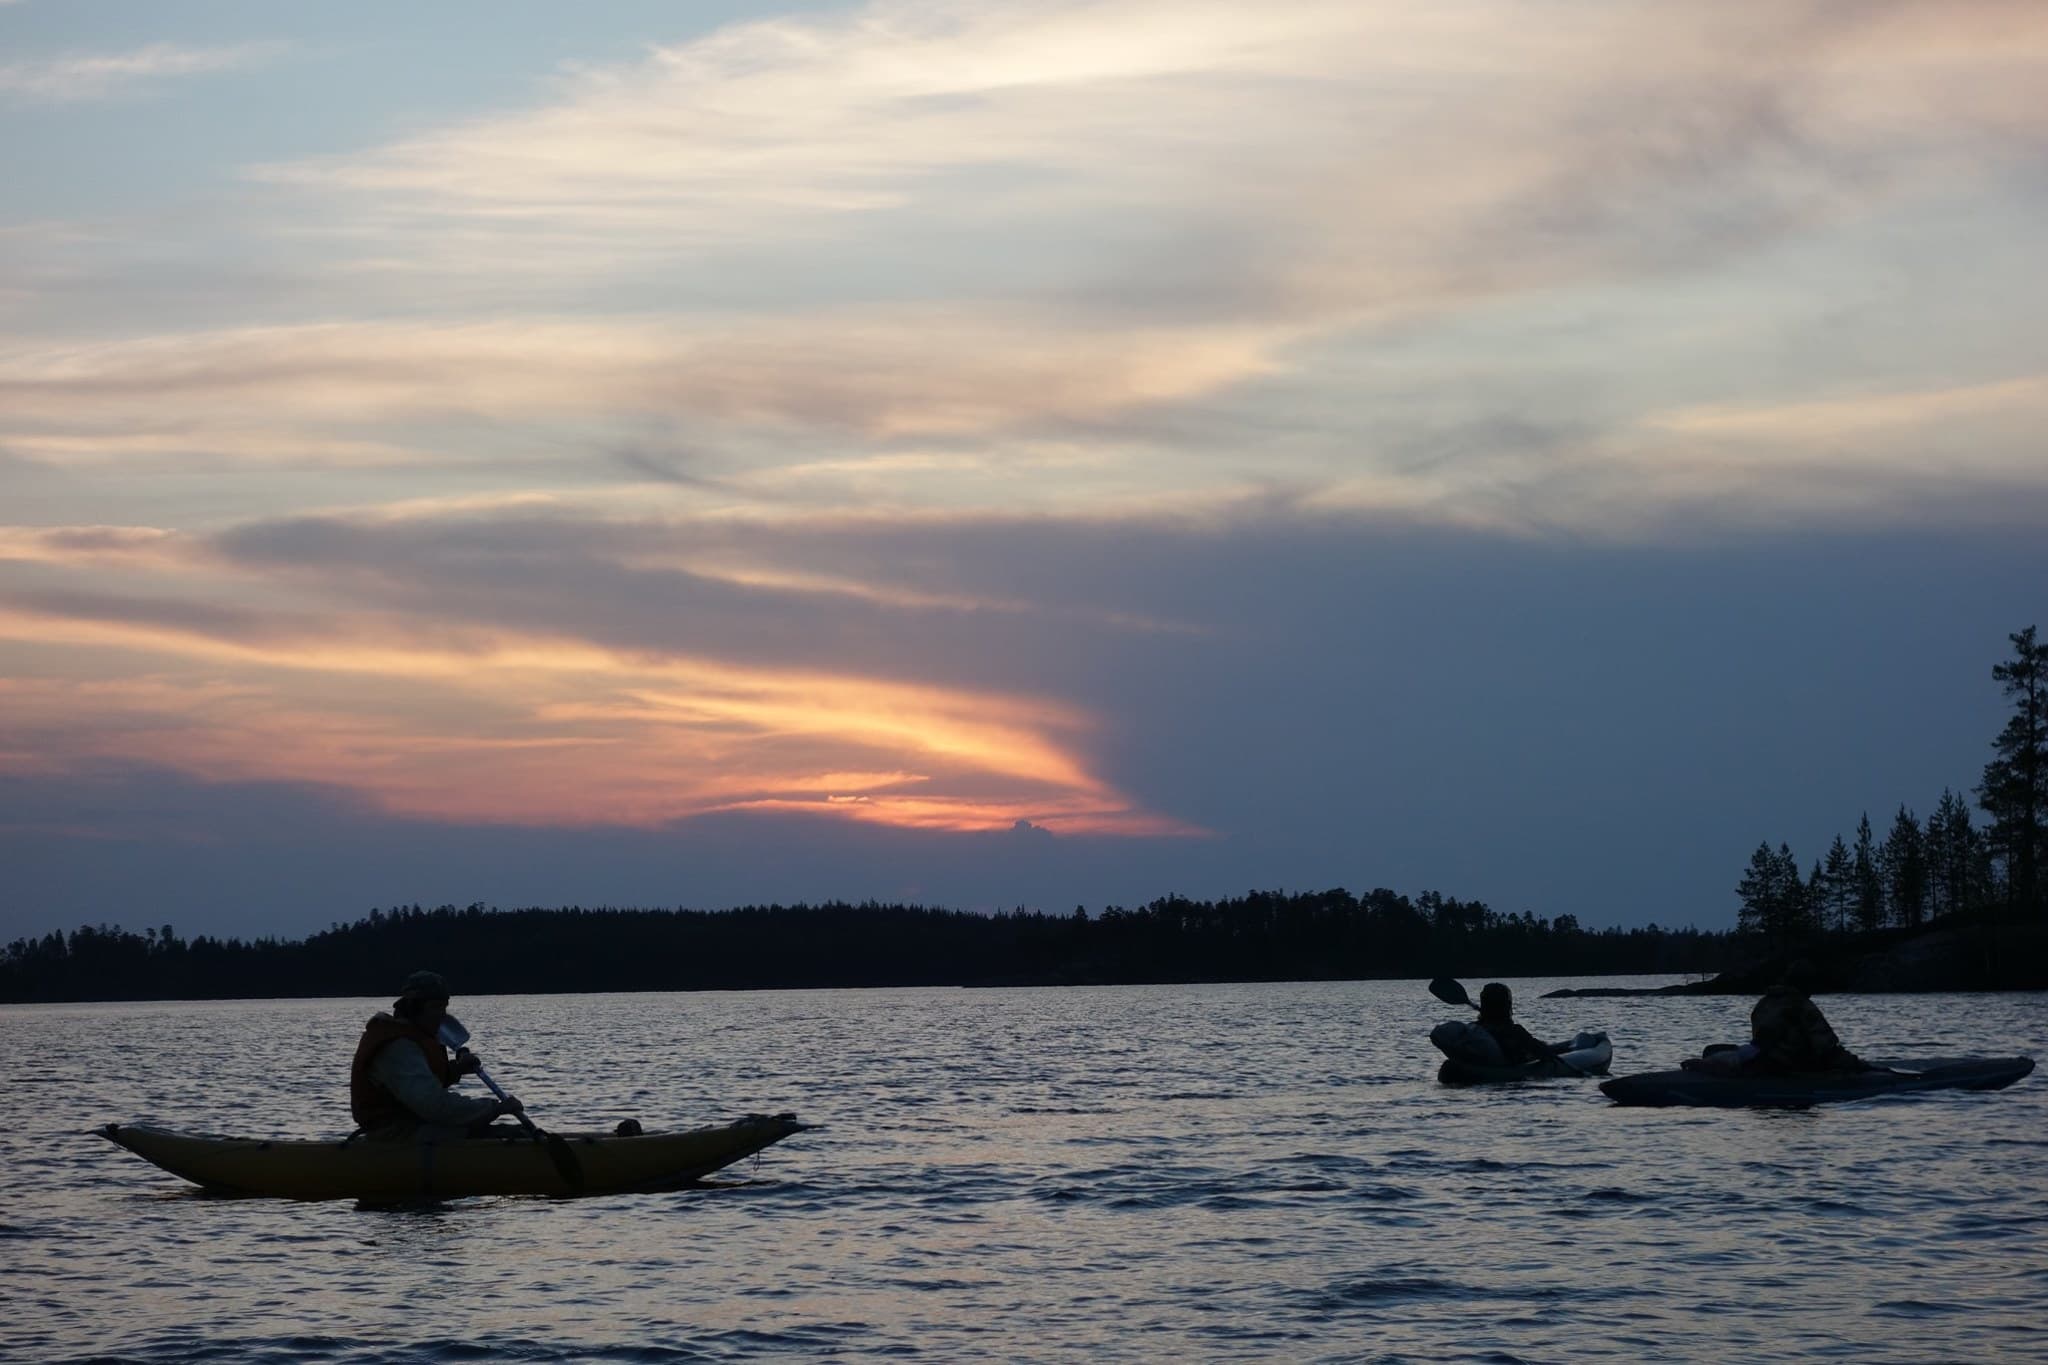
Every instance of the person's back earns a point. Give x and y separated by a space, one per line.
1790 1033
1497 1017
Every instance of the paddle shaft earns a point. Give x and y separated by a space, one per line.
557 1147
454 1036
497 1090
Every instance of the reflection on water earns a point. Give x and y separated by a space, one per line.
1247 1172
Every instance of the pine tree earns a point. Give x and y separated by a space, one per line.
1904 862
1869 885
1798 903
1757 890
1953 855
1775 902
2014 790
1841 886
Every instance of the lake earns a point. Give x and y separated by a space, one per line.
1225 1172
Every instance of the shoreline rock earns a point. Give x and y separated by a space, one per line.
1976 957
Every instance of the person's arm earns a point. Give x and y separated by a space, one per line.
402 1069
1820 1035
1532 1046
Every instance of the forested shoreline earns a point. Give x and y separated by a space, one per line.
1325 935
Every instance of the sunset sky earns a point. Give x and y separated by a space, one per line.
1002 454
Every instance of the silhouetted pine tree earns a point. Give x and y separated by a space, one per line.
1840 882
2014 790
1869 884
1903 860
1954 858
1756 891
1774 900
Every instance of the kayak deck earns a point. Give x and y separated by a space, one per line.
1747 1091
405 1172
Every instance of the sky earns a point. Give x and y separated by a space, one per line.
1002 454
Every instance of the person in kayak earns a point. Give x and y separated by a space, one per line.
1497 1017
400 1084
1788 1033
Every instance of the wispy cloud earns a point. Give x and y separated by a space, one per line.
1818 424
145 547
107 75
882 373
1319 161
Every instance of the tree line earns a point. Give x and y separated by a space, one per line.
1945 868
1263 935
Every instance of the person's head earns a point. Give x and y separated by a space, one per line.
1496 1001
423 1000
1798 975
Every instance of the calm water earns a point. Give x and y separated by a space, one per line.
1261 1172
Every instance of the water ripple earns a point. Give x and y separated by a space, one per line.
1118 1174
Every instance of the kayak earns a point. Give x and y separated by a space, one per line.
1742 1090
408 1172
1588 1055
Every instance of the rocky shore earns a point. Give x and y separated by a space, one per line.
1964 958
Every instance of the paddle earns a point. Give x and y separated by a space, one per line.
455 1036
1453 993
1450 992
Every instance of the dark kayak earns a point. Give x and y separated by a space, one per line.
1589 1056
1747 1090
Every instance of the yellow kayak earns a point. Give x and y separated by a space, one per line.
403 1172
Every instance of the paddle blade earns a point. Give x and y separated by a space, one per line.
564 1158
453 1034
1450 992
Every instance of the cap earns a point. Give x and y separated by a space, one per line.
424 986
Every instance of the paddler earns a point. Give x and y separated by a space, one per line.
1497 1017
401 1083
1788 1033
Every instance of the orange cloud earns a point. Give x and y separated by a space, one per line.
502 727
1053 815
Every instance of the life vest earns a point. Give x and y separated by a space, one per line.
373 1105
